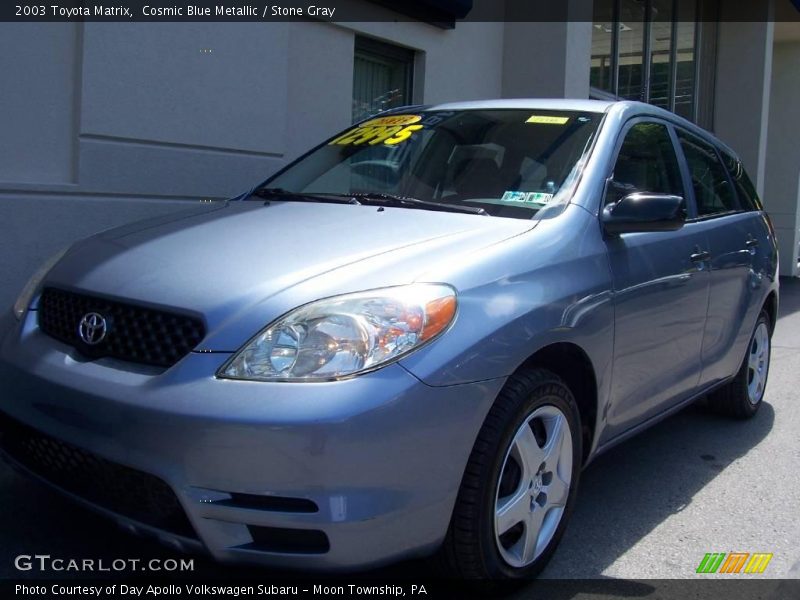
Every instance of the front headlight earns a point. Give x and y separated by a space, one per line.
26 295
345 335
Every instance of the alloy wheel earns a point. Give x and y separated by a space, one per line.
758 363
533 486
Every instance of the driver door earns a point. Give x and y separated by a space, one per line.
661 285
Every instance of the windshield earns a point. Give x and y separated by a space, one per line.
511 163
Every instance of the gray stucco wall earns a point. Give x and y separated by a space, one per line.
106 123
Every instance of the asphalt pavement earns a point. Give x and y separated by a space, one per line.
650 508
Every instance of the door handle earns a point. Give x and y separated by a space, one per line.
751 242
700 256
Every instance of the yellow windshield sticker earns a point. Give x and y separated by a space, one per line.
393 120
548 120
389 130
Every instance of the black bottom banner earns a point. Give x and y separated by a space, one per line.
560 589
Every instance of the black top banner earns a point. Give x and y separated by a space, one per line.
442 13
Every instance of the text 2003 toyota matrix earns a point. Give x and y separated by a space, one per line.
408 342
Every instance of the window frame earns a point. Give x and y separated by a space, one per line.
682 158
705 36
745 200
686 182
369 47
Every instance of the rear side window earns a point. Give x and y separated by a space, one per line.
748 197
713 191
646 163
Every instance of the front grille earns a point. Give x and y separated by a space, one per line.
134 333
120 489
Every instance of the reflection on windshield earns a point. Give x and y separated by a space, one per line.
511 163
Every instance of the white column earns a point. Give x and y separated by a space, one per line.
741 107
548 59
782 187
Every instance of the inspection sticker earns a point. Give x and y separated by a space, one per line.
548 120
388 130
539 198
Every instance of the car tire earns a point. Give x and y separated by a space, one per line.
510 487
743 395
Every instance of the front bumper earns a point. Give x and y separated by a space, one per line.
372 463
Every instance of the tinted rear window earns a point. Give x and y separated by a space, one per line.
748 197
713 191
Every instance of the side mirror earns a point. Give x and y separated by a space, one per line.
643 212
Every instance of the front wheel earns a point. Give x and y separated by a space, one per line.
520 482
741 398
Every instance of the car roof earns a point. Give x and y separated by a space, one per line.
622 109
596 106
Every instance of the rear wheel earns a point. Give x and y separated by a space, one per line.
520 482
742 397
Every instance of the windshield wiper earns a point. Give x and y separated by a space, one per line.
372 198
282 194
406 202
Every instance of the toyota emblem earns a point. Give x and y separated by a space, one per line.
93 328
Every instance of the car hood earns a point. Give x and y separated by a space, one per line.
244 264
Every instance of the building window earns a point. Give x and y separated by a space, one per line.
661 59
631 42
602 73
653 51
382 77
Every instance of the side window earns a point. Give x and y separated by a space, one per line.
713 192
748 197
646 163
